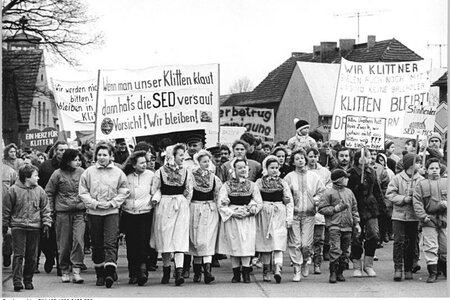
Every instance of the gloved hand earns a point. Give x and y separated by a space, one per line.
46 231
340 207
4 229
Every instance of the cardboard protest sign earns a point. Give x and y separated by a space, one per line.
258 121
381 89
39 140
419 120
365 132
76 103
229 134
157 100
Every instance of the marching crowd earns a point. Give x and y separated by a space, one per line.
314 199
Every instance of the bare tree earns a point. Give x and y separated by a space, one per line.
241 85
64 26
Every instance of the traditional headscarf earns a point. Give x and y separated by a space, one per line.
232 169
170 157
267 161
200 154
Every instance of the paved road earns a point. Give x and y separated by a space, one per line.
49 285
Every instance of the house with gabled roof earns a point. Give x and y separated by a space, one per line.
27 102
303 86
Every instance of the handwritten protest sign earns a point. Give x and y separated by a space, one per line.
382 89
75 101
157 100
39 140
258 121
365 132
420 120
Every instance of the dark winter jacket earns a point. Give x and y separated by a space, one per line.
368 195
46 170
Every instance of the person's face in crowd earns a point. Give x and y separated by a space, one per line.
241 169
33 180
179 157
41 158
391 149
381 161
281 156
312 158
272 169
91 148
12 153
76 162
410 147
304 131
434 143
60 151
141 165
319 144
122 147
151 160
103 157
217 159
194 147
299 161
367 159
204 162
224 154
251 148
239 151
266 150
27 160
434 169
344 158
374 155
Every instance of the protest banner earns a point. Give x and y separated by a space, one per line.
229 134
382 89
258 121
419 120
366 132
157 100
39 140
76 103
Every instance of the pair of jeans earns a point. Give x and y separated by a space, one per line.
25 243
367 241
318 242
137 236
405 236
339 245
104 239
70 228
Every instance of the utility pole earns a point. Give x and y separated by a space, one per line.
440 51
358 14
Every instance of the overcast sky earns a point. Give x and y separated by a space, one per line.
248 37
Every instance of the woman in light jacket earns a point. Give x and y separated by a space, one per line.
103 189
136 218
239 202
204 222
274 218
62 190
172 192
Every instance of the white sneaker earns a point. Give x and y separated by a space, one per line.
65 278
297 274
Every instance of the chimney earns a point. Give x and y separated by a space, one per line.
345 46
370 41
296 54
316 50
326 50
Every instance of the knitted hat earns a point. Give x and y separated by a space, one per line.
388 144
338 173
300 124
408 160
435 135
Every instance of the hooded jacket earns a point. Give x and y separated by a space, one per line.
26 207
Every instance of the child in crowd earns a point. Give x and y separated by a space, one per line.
26 210
338 205
301 138
430 206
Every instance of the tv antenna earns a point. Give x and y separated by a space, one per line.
440 51
359 14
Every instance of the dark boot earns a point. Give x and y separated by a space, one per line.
100 271
398 274
186 266
416 266
432 273
197 272
266 276
166 275
142 275
340 272
207 276
236 275
277 274
326 252
442 266
132 273
179 279
333 273
109 275
246 274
